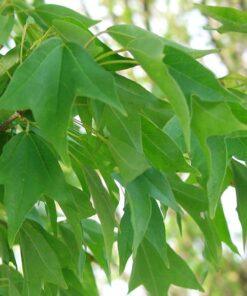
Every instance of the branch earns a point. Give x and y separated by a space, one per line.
243 4
146 10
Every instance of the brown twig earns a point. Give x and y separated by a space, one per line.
146 10
243 4
5 125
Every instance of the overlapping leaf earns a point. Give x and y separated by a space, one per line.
149 270
147 49
194 78
57 73
40 261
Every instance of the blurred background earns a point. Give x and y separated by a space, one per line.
180 21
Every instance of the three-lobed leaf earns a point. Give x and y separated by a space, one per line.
57 73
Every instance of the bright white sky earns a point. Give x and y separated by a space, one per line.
199 38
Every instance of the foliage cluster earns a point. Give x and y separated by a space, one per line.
77 136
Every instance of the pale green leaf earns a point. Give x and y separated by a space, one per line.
147 49
128 33
47 13
6 25
211 119
233 20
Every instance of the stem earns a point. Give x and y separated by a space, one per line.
109 53
5 125
92 130
46 34
27 126
146 10
23 37
93 38
119 62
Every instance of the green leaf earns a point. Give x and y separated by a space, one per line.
6 252
160 189
161 150
194 201
148 51
235 81
11 282
210 119
240 182
76 208
149 270
222 229
104 207
28 170
217 171
40 262
237 146
128 33
194 78
138 100
74 285
52 213
61 249
140 207
124 128
73 32
133 93
6 25
73 249
156 233
94 239
49 290
48 82
131 162
88 279
82 203
125 239
233 20
47 13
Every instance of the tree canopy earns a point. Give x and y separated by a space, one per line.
91 159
